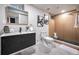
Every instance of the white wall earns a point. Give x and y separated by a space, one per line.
33 13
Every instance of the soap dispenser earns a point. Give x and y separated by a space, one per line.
20 29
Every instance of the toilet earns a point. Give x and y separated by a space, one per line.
46 40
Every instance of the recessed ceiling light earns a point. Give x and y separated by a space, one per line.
63 11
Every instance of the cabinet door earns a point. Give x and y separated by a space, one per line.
11 44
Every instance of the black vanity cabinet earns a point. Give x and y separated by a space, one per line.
14 43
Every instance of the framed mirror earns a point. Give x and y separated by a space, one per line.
16 16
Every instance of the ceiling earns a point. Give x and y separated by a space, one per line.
54 9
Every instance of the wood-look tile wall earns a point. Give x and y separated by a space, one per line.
64 27
77 35
51 27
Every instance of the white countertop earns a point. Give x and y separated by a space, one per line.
16 33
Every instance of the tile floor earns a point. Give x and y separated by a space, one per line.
41 49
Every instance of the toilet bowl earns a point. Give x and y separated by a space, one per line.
47 41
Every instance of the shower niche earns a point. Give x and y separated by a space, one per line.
16 16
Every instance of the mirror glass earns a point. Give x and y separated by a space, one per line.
16 16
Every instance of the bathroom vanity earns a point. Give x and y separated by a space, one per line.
13 42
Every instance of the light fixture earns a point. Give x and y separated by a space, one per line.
63 11
65 14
